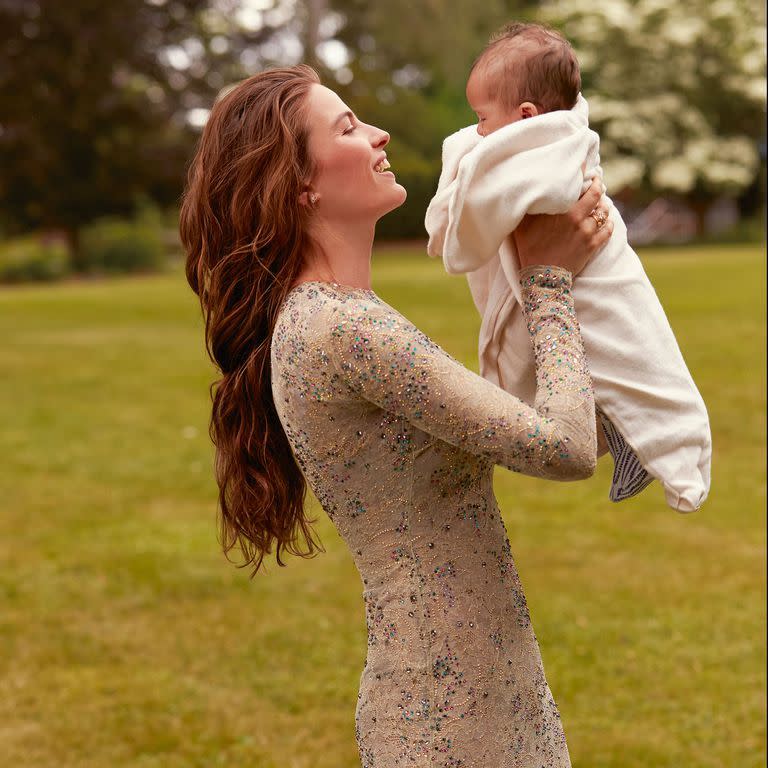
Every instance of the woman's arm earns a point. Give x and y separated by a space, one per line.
386 360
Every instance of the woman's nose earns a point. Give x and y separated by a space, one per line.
380 138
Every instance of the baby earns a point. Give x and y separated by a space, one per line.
533 152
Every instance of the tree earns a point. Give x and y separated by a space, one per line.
402 65
94 99
676 91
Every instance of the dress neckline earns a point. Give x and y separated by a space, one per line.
336 286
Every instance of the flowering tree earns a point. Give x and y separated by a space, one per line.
676 90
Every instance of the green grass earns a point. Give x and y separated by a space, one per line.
126 639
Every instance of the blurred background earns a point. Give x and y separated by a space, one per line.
101 104
126 639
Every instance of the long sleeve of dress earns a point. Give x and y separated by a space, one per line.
387 361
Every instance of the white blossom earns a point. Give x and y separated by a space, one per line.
622 172
683 31
677 91
725 175
674 174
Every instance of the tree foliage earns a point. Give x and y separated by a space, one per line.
406 69
101 102
93 103
676 90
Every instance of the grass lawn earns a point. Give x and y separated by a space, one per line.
126 638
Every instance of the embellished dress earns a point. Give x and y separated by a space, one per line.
398 442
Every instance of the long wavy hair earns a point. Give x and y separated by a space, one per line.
245 236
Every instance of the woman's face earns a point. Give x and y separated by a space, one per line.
350 178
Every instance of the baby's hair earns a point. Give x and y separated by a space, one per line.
530 62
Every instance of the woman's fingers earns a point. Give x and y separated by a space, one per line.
587 202
569 240
602 235
595 235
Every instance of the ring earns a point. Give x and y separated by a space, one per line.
599 216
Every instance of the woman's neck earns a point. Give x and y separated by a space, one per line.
340 257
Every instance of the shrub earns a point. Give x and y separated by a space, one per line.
33 258
121 245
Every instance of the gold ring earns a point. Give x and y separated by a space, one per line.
600 217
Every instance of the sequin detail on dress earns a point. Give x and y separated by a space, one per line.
398 442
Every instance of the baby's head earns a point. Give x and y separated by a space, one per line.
524 71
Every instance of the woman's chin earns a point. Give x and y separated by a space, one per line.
396 199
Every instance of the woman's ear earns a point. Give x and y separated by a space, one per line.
308 197
528 109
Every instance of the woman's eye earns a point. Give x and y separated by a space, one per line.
349 130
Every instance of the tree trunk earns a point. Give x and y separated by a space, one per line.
700 208
74 244
315 10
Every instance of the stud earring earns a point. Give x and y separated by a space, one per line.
313 199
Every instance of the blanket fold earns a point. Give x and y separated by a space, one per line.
641 381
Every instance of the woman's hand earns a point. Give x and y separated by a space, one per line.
566 240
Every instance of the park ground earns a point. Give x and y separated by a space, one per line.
128 641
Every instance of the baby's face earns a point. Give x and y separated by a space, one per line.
491 114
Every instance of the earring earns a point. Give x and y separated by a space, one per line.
313 199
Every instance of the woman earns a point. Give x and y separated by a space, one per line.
324 381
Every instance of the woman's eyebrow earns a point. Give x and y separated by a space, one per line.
347 114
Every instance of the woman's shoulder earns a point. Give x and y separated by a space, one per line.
314 302
352 329
315 311
317 301
326 313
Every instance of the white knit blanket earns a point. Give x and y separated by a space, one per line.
641 382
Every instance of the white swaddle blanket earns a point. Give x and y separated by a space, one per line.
640 379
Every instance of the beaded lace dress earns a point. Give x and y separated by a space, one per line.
398 442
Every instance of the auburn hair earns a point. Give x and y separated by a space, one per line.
525 61
245 236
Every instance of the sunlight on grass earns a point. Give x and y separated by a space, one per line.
126 639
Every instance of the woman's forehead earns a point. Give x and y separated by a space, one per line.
326 104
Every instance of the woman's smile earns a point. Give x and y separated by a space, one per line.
347 152
382 165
